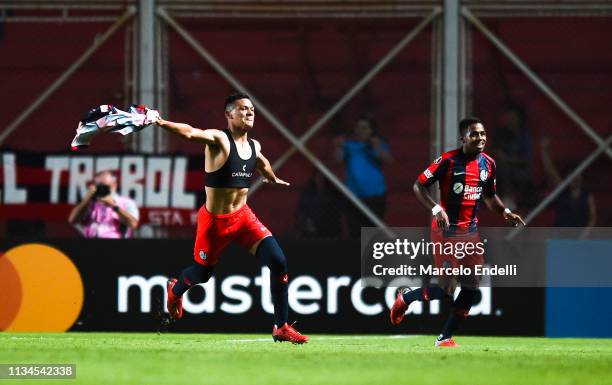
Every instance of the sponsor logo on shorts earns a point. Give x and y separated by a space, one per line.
428 174
202 255
438 160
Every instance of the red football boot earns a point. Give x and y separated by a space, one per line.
399 307
174 303
447 343
288 333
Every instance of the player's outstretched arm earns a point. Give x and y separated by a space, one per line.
423 195
191 133
495 204
265 168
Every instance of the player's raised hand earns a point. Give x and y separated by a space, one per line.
156 120
514 219
442 220
151 117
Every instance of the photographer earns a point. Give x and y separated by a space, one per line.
103 213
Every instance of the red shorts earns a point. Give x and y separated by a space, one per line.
216 231
468 256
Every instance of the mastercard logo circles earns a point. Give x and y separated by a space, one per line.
41 290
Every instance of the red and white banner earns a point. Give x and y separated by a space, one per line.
167 189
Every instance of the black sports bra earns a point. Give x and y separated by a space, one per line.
235 172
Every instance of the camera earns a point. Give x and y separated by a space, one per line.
102 190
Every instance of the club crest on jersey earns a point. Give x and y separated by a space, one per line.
458 188
202 255
484 174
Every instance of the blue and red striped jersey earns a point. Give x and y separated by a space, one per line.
462 182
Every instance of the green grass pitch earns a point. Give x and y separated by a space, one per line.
235 359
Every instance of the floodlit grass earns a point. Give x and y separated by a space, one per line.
234 359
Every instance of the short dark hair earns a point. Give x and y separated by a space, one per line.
465 123
230 101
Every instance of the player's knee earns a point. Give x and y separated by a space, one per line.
270 254
198 274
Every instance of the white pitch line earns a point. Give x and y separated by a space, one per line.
251 340
27 338
328 338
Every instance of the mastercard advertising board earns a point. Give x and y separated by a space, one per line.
42 290
57 285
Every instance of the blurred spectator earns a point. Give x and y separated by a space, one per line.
319 210
574 207
363 155
103 213
513 150
4 14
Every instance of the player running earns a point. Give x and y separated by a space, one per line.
466 176
230 158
